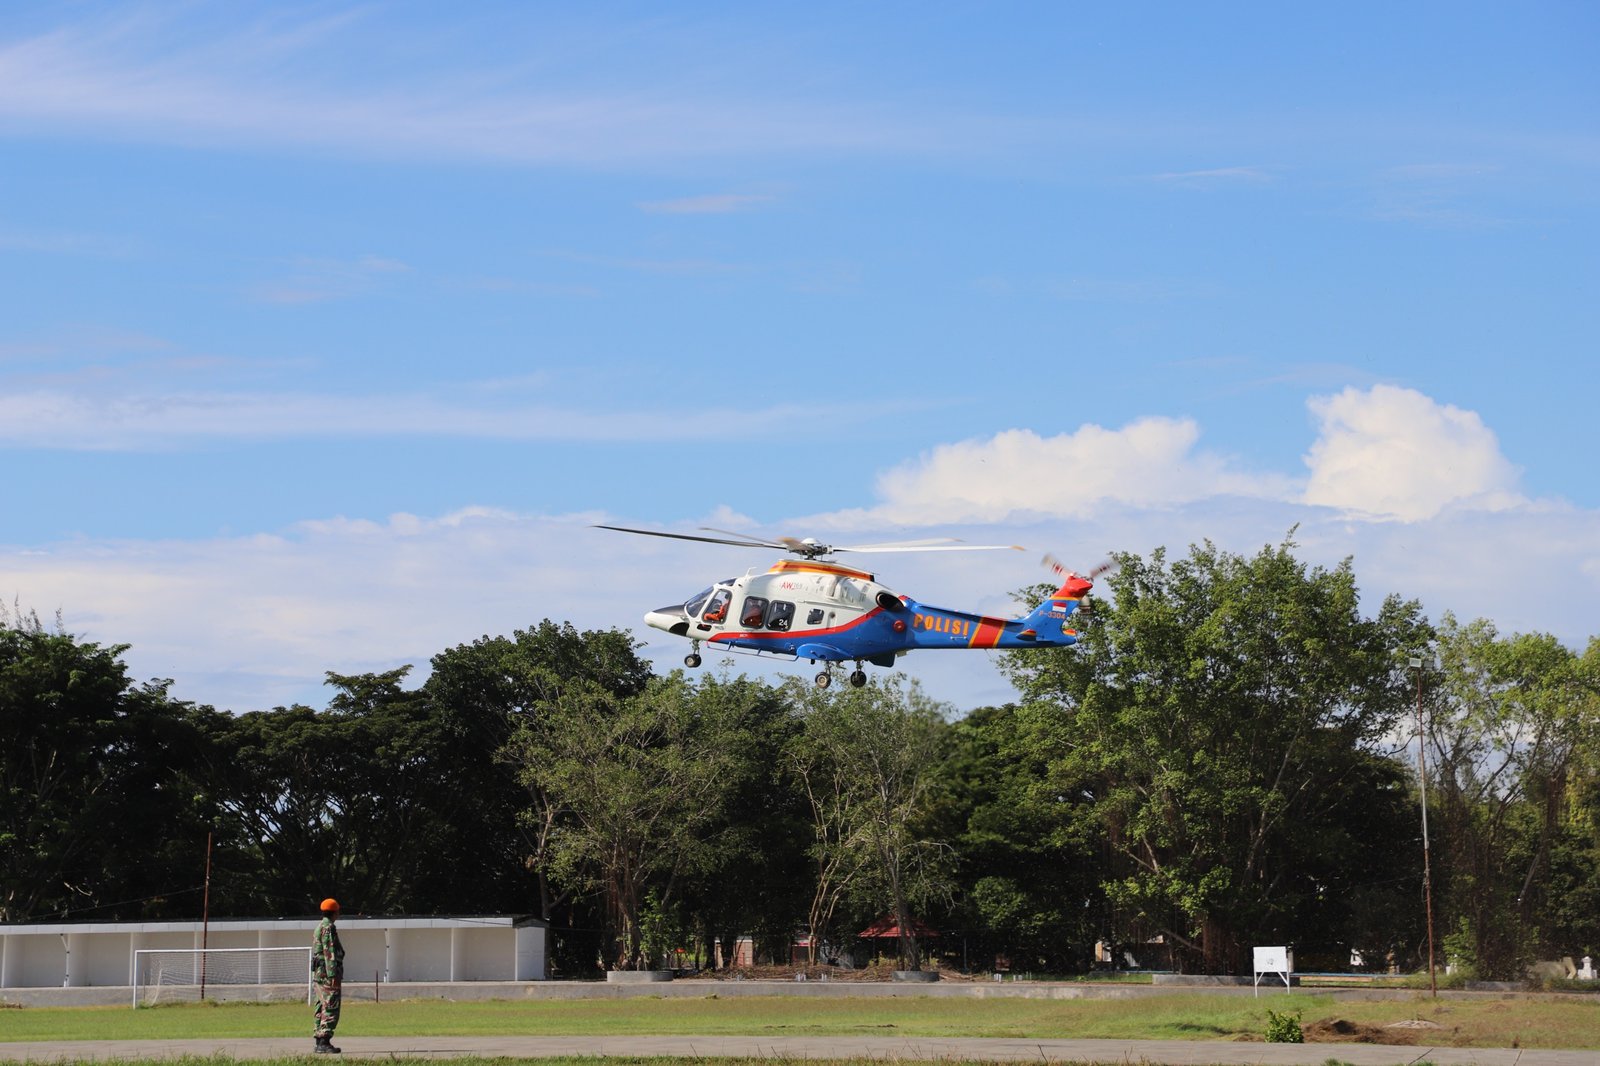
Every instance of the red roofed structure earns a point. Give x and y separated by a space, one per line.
888 927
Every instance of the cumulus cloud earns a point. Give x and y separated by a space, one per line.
1389 452
1153 462
1383 453
252 621
256 620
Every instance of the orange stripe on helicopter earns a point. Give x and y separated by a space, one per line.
987 634
790 566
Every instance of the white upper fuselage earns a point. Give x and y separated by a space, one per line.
772 610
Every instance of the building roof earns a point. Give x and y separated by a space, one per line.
889 926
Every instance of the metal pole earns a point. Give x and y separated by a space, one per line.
1427 868
205 918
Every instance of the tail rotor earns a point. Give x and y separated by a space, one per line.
1061 570
1065 574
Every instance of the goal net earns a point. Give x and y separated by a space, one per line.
172 975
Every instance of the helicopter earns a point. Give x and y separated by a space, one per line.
818 609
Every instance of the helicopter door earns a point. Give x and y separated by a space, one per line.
716 612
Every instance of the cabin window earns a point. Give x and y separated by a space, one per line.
814 617
717 609
755 610
780 615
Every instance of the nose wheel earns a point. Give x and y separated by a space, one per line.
692 660
824 679
858 677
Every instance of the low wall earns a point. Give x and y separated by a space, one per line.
400 949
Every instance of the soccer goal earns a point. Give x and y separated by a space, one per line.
173 975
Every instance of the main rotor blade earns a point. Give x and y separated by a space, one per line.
931 544
946 544
746 538
747 543
811 549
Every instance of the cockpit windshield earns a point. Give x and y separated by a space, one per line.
692 608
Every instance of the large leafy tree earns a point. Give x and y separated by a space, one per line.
338 802
1214 720
99 807
753 879
482 694
636 787
867 760
1030 861
1511 727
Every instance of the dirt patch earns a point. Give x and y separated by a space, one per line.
1343 1031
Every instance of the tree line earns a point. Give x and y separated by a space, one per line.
1226 759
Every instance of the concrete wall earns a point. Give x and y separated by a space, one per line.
91 954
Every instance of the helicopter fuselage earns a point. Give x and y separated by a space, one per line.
822 611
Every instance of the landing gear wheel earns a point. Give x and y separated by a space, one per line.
691 660
825 679
858 678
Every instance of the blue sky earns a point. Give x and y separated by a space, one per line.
327 330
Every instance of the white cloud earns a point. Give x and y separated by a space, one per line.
1152 462
1389 452
272 83
256 620
97 421
1380 453
251 621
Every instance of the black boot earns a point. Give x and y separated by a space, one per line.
325 1046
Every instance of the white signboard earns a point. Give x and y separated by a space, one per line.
1272 960
1276 960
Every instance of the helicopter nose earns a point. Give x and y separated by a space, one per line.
668 619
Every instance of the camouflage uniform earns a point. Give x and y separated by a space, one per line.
327 970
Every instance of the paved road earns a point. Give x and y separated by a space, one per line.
1155 1052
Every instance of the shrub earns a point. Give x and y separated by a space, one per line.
1284 1028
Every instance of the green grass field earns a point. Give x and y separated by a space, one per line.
1543 1022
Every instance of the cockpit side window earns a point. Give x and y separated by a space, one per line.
692 608
717 609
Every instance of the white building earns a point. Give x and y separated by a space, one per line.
87 954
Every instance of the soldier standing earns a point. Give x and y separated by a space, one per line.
327 973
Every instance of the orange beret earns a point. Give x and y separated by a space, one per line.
330 906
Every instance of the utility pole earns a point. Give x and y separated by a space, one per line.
205 919
1427 870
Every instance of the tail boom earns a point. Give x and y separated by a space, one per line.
1044 627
